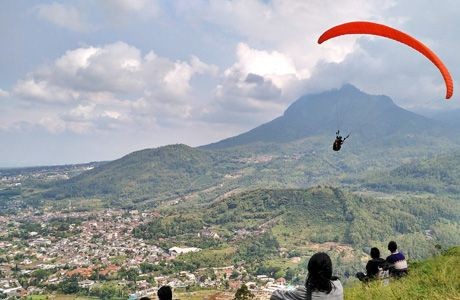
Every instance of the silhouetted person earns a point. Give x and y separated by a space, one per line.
165 293
396 261
320 283
373 266
338 141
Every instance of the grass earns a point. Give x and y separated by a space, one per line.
59 297
210 257
204 294
435 278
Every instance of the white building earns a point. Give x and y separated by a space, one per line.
177 250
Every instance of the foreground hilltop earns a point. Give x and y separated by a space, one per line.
434 278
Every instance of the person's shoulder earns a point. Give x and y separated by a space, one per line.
336 292
337 283
375 261
297 294
398 255
337 287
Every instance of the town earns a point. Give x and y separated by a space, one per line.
93 250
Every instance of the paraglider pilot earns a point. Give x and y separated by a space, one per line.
338 141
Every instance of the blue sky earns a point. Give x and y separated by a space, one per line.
90 80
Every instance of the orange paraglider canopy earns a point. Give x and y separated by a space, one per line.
362 27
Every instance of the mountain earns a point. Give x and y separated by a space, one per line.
348 108
292 151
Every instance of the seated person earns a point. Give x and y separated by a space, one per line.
373 267
320 283
397 263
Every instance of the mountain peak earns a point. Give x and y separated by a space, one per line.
346 108
349 88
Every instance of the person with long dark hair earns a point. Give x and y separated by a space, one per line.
320 283
165 293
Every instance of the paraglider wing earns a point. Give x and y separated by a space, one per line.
362 27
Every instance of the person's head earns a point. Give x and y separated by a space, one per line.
319 273
392 246
375 253
145 298
165 293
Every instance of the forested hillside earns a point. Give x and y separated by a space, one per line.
440 174
295 220
165 172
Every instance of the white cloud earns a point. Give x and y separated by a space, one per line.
43 91
280 51
135 5
124 10
62 15
412 81
280 37
52 124
256 87
274 65
105 87
177 80
288 27
277 69
4 93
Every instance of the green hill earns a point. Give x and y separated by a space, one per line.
440 174
259 223
165 172
434 278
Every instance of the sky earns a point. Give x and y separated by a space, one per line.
92 80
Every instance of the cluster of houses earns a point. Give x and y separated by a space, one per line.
97 249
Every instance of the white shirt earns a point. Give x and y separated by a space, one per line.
301 293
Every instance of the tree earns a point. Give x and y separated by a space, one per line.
243 293
290 273
107 291
234 275
69 285
40 275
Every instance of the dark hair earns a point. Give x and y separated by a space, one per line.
319 274
375 252
392 246
145 298
165 293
